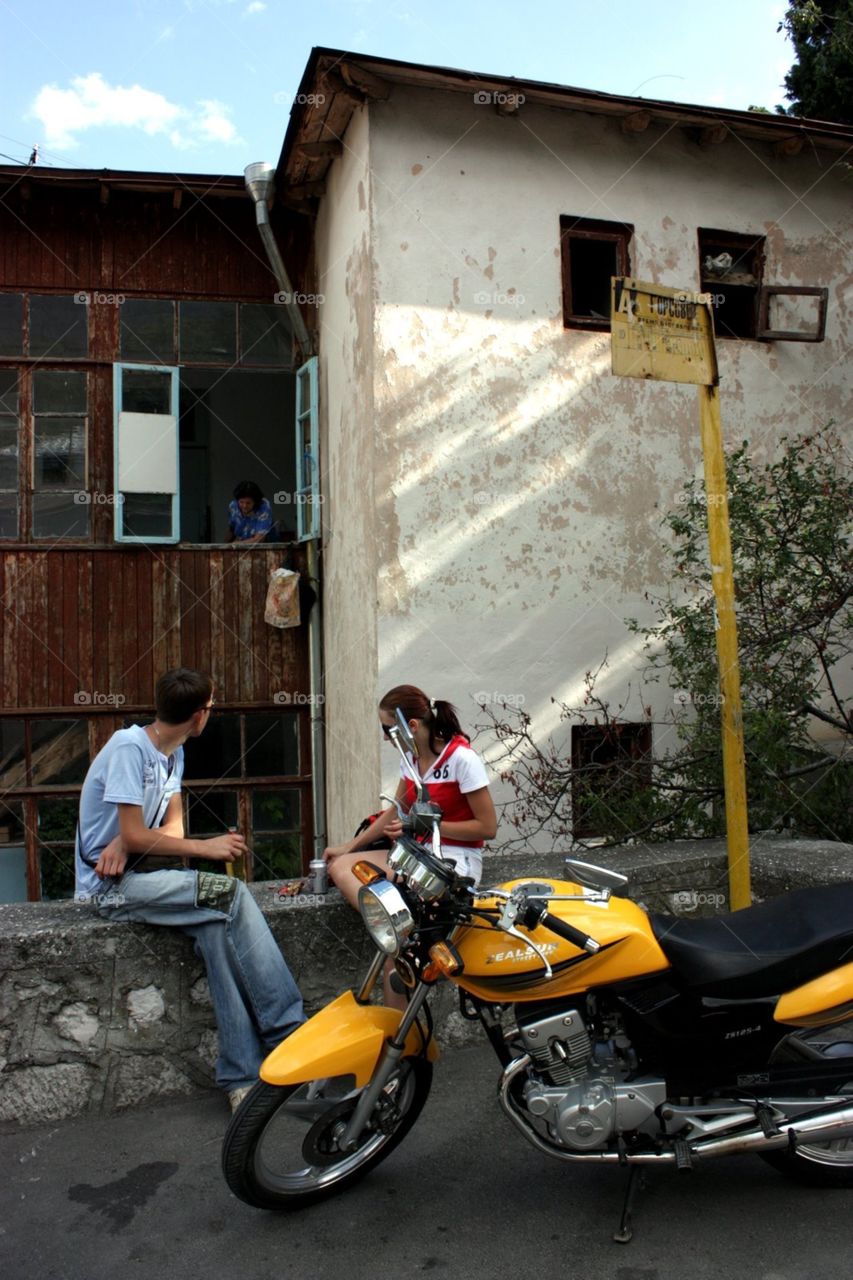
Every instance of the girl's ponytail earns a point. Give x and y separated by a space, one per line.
444 722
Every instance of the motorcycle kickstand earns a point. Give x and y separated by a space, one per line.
636 1182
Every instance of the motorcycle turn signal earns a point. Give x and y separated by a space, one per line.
445 962
367 873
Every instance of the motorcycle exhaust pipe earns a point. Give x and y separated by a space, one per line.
825 1126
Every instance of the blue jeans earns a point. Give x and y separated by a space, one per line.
255 999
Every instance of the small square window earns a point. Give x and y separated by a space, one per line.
11 324
59 752
592 252
59 327
10 382
13 757
146 391
272 745
148 331
209 812
208 332
59 453
730 270
8 516
610 763
265 335
59 391
61 515
217 752
8 453
146 515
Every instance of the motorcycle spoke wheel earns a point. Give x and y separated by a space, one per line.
282 1151
827 1164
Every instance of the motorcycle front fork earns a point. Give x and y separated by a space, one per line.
392 1052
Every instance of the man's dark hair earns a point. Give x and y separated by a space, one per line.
180 693
248 489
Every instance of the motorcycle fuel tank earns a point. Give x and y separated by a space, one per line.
501 968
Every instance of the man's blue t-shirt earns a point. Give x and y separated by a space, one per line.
128 770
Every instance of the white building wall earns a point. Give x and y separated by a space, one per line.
519 486
345 285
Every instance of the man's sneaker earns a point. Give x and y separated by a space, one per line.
236 1096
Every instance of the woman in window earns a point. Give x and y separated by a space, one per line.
249 515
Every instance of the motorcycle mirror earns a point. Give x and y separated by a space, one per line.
593 877
405 733
401 735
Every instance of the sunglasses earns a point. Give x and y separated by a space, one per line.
386 729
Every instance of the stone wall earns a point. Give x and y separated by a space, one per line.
100 1016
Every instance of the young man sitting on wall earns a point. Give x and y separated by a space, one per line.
130 839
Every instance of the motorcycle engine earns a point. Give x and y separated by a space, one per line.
580 1091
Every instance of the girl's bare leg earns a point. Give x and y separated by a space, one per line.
340 871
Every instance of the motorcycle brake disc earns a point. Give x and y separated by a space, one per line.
320 1146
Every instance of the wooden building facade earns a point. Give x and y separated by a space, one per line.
121 295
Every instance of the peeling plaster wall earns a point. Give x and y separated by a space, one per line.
520 487
345 282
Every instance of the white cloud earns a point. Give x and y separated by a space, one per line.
93 103
255 7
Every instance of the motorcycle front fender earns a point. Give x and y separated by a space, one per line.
344 1039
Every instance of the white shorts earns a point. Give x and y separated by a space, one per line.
468 862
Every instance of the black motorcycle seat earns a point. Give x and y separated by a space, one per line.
763 950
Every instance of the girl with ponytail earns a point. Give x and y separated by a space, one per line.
457 781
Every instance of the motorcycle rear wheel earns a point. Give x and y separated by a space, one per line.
823 1164
280 1150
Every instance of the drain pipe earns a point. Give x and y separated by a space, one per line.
260 180
260 184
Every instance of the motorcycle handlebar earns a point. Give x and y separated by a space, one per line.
569 932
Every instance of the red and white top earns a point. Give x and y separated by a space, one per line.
456 771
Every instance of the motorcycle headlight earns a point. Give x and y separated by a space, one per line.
386 917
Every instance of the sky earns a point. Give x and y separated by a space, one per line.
206 86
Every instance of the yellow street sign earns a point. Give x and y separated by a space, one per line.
661 333
668 334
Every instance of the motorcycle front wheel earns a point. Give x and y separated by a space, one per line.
281 1149
824 1164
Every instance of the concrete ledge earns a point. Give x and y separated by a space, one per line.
100 1016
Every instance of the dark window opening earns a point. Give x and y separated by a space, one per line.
236 745
730 270
235 426
592 252
610 764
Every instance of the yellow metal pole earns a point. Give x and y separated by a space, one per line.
720 546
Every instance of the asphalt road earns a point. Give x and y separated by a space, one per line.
140 1195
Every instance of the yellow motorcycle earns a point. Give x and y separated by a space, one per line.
623 1038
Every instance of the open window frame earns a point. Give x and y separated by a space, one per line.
611 244
161 455
768 334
